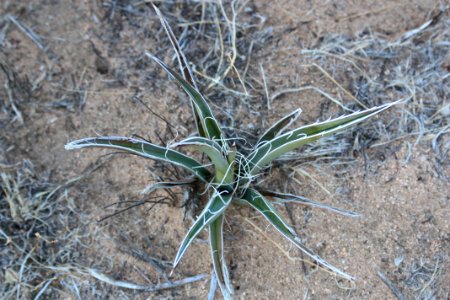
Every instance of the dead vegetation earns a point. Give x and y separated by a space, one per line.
39 229
44 236
413 67
421 280
44 233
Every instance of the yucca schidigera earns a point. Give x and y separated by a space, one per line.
231 175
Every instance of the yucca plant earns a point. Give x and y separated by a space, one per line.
231 173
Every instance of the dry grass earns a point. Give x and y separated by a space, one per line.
376 70
43 232
40 230
44 236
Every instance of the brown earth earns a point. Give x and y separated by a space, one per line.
90 79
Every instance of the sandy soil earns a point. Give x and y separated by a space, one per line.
91 78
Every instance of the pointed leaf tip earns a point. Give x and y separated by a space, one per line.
267 152
207 124
260 203
213 209
145 149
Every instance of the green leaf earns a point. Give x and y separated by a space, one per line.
289 198
214 208
271 150
145 149
279 126
258 202
183 64
219 264
182 61
209 124
224 172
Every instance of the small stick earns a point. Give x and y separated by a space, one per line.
28 32
339 86
300 171
391 286
149 288
17 112
286 253
266 90
306 88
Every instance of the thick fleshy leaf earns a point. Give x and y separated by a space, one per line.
182 61
289 198
279 126
207 120
214 208
271 150
262 205
224 173
219 264
145 149
183 64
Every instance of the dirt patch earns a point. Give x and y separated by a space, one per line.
71 70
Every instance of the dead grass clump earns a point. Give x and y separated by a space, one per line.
44 239
376 69
38 230
422 279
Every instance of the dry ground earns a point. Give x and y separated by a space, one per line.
71 69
